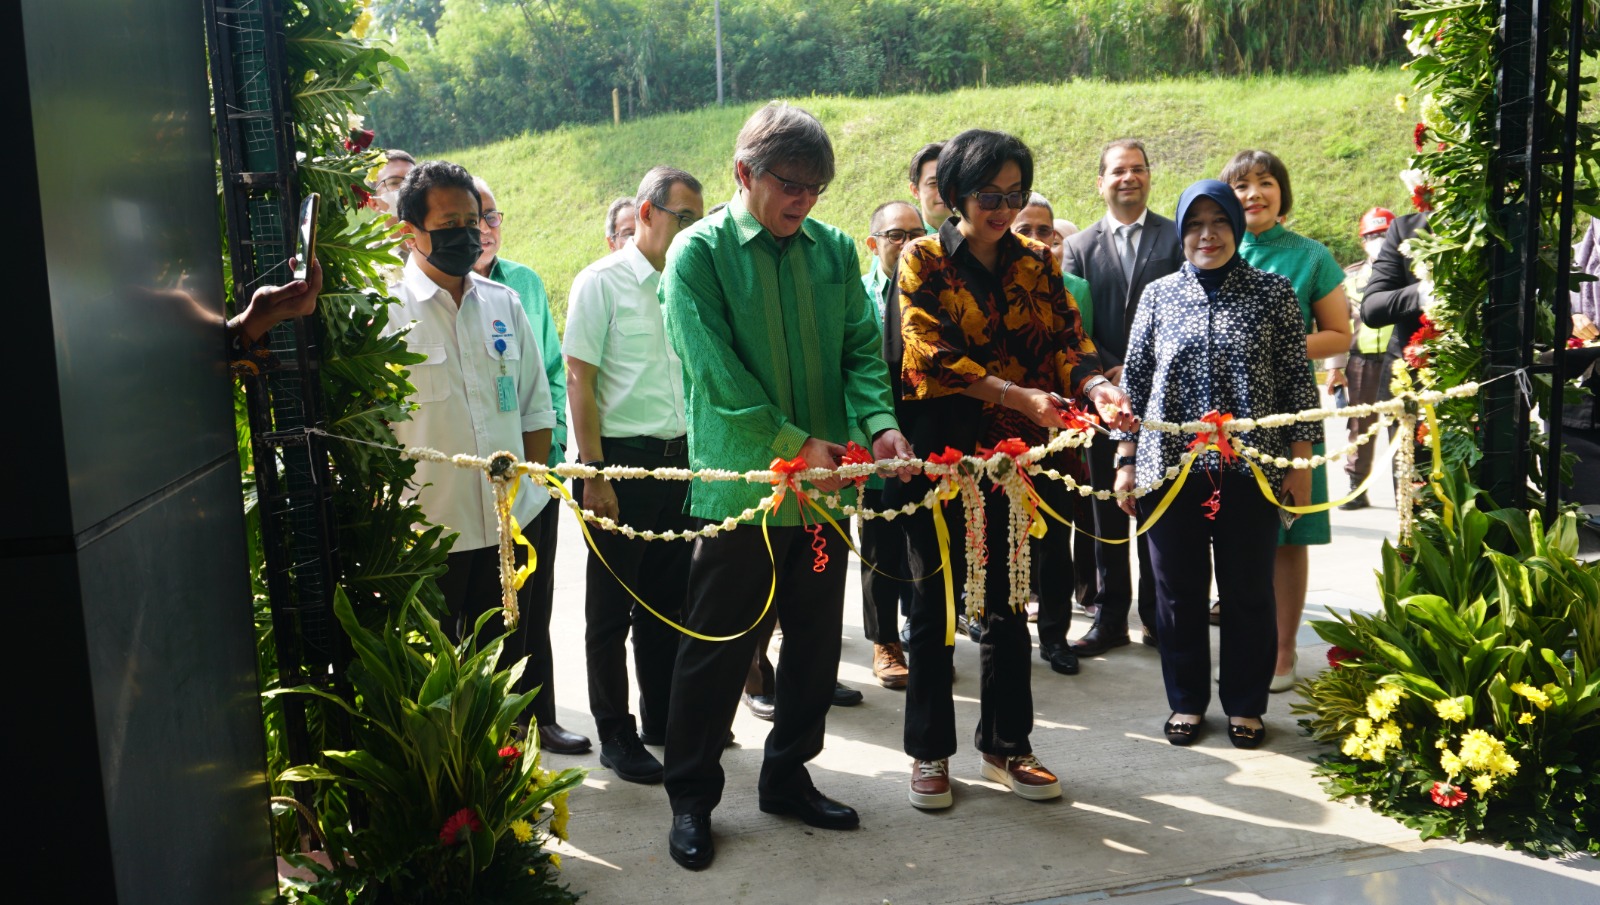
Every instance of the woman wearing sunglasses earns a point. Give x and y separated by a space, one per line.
990 334
1217 336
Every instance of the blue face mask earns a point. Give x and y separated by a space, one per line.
455 250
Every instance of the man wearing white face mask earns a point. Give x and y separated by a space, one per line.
481 389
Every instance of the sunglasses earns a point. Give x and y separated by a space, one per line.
991 201
796 189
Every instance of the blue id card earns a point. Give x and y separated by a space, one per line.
506 389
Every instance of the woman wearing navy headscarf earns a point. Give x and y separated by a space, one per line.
1217 336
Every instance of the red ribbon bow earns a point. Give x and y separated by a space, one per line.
788 466
1012 447
1078 418
1218 435
856 454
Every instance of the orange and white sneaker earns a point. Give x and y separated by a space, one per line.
930 784
1023 775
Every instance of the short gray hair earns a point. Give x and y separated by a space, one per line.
780 134
615 211
1037 200
657 185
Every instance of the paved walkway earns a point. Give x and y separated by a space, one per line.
1141 822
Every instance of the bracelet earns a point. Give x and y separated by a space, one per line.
1093 382
1005 389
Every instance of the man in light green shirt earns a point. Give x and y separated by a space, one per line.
536 304
782 358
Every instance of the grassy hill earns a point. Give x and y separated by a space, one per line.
1341 135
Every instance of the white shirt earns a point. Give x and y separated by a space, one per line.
1113 225
615 323
458 408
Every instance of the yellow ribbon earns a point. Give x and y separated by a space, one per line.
1155 514
589 539
532 564
941 531
1266 490
1437 474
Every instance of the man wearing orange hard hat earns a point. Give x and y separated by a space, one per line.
1362 373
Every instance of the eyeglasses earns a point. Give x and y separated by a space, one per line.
899 236
991 201
686 217
622 235
392 184
1042 233
492 219
796 189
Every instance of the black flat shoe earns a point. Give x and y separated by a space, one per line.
845 696
1181 734
814 808
689 841
1061 659
1245 737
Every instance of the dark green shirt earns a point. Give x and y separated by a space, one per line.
779 343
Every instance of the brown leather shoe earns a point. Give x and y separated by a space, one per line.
1023 775
889 665
930 784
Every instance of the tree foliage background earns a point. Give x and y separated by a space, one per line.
482 70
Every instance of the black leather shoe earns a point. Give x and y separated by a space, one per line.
1148 638
815 809
1099 639
690 841
1359 502
761 706
845 696
626 757
556 740
1060 657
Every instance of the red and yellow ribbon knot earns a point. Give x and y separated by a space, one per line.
1217 436
1012 447
856 454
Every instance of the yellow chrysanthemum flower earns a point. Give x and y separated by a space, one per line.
1504 764
1389 734
555 860
1442 743
1450 763
1535 696
1353 746
1482 783
1363 727
1450 710
523 830
558 820
1525 719
1382 702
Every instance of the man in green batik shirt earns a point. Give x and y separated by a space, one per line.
782 358
536 304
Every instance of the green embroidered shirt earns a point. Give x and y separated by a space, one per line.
536 304
779 343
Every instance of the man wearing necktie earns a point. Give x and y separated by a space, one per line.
1120 254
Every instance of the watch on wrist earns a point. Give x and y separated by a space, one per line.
1093 382
1126 461
597 463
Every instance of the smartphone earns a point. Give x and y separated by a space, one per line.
309 207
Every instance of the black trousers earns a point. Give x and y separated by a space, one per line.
1053 576
1115 595
657 571
883 543
471 585
728 581
1005 718
1242 542
1364 373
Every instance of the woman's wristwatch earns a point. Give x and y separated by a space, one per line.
1091 383
1127 461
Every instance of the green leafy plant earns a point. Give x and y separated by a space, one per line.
448 787
1469 705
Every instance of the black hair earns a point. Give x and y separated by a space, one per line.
1246 162
929 152
432 174
1124 144
972 159
876 220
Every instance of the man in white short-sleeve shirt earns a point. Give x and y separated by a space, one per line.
625 384
482 389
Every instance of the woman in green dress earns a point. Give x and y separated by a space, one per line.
1261 182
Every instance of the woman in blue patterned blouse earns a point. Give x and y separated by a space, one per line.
1217 336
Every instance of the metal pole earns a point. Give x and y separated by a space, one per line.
716 15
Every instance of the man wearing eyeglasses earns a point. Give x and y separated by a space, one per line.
925 186
885 585
628 409
621 222
536 305
1126 250
782 360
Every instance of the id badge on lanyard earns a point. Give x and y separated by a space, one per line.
505 388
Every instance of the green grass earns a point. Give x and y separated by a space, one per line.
1341 135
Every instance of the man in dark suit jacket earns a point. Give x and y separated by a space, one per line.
1394 295
1120 254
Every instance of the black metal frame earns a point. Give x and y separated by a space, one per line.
255 138
1522 84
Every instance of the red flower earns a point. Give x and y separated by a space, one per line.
510 751
1446 795
363 197
1416 135
1574 343
1422 432
1337 655
1416 356
461 824
1425 333
1422 198
359 140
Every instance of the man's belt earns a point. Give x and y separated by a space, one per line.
669 449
